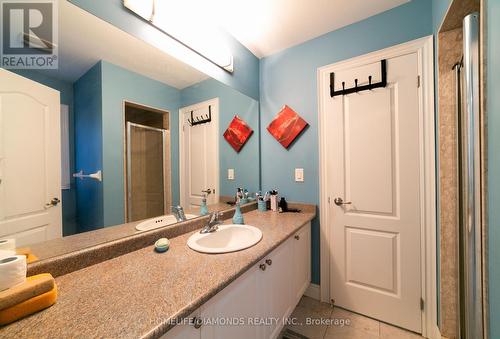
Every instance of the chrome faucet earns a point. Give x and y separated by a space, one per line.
213 223
178 212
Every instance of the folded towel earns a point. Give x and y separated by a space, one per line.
28 307
30 257
32 287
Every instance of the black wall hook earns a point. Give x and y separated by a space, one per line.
199 119
356 88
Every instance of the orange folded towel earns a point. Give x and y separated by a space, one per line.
30 257
32 287
28 307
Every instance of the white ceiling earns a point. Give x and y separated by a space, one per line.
269 26
85 39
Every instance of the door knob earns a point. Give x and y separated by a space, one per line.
262 267
340 202
52 203
207 191
297 237
269 262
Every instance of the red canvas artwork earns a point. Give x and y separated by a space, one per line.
286 126
237 133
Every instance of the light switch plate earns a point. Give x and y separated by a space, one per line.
299 175
230 174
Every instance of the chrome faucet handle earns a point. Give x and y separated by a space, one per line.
214 218
178 212
212 224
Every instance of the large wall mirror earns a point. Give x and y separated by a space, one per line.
118 134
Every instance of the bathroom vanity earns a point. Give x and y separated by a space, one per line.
144 294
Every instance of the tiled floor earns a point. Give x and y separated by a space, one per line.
340 324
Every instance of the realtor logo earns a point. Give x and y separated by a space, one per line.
29 34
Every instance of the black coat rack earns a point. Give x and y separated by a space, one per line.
356 88
197 121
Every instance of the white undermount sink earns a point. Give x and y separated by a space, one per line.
227 238
164 220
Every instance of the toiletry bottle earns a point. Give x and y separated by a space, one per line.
283 205
274 200
204 207
238 195
238 217
244 196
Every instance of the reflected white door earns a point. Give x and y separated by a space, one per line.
199 154
374 167
30 160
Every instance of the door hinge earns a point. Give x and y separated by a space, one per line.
421 304
418 81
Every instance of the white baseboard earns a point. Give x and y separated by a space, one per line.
313 291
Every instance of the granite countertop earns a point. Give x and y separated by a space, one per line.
137 294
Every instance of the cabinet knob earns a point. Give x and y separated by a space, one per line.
297 237
197 322
269 262
262 267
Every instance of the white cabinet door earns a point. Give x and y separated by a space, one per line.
275 290
230 312
301 261
185 330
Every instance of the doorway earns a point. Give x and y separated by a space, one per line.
199 153
147 137
377 202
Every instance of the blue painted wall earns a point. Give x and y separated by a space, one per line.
246 74
289 77
493 118
88 142
66 96
118 85
231 102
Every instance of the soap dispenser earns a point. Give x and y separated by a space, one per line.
238 217
203 207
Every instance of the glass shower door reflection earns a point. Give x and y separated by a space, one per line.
147 162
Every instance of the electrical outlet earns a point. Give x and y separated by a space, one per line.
299 175
230 174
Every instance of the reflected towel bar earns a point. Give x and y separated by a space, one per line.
97 175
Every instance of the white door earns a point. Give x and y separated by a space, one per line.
199 154
30 160
374 166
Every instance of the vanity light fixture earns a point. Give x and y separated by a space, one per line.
182 24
